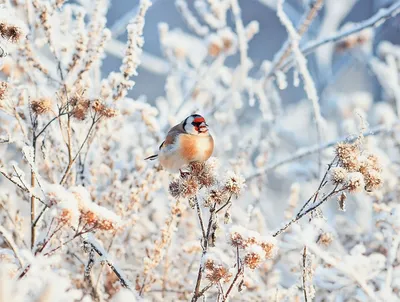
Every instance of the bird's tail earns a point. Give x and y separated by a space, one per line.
153 157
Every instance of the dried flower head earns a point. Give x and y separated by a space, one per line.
41 105
93 215
373 179
342 201
237 237
325 239
175 188
355 182
215 196
80 107
10 32
3 90
348 155
216 272
100 108
354 40
204 172
234 183
215 45
338 175
268 244
190 186
65 216
254 256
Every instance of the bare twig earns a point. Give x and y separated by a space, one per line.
10 242
310 209
117 272
381 129
73 159
378 19
240 271
304 273
284 53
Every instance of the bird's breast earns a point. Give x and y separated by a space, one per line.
196 148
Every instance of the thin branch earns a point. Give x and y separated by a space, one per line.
310 209
381 129
376 20
284 53
304 273
71 162
10 242
49 123
123 280
200 218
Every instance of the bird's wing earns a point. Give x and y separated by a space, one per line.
173 133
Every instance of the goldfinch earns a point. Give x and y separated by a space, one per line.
187 142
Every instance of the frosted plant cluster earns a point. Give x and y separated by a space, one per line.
298 203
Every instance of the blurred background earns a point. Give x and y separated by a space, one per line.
349 72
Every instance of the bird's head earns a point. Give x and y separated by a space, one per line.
195 124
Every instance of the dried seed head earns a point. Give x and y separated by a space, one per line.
103 110
216 272
81 109
204 172
215 45
41 106
10 32
269 247
237 239
338 175
325 239
355 182
348 155
216 196
254 256
190 187
3 90
175 188
373 180
234 183
342 201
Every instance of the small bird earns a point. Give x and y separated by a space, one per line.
186 142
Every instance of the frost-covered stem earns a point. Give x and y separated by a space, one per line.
40 215
381 129
241 33
301 63
200 216
72 161
58 228
116 271
23 188
394 246
341 266
17 117
89 265
49 123
304 273
33 215
310 209
197 293
376 20
10 242
108 250
240 270
224 205
321 185
284 53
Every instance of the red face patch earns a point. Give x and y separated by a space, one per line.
199 120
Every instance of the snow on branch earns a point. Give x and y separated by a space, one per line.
375 21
